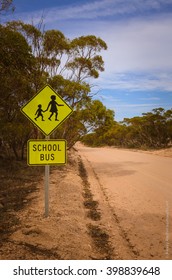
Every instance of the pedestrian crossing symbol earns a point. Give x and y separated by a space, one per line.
47 110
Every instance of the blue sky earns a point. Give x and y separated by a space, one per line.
138 62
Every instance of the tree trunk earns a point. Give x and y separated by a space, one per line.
15 151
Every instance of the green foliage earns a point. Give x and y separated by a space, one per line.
55 43
152 130
16 65
84 58
97 117
31 57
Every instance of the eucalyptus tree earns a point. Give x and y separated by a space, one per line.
151 130
16 65
5 6
66 64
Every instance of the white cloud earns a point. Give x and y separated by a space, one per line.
97 9
150 99
103 8
135 45
133 82
138 105
126 110
139 45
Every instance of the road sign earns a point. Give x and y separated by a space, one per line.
46 152
47 110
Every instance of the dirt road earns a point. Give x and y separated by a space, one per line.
134 191
105 203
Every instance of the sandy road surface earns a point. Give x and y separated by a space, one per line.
104 204
137 189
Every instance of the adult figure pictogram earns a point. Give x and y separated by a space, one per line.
53 107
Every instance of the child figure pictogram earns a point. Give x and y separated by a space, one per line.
53 107
39 113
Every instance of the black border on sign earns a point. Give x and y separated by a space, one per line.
21 109
46 140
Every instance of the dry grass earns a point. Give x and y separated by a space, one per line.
17 181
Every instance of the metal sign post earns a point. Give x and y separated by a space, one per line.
42 111
47 173
46 186
46 152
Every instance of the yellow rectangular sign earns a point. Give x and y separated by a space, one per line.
46 152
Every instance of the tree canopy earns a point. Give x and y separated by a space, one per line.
151 130
31 57
6 5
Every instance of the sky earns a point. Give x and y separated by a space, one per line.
138 33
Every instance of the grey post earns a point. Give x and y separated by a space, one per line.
47 173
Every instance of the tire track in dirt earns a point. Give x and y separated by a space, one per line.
122 231
121 245
99 235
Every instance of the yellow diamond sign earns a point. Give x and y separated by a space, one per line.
47 110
